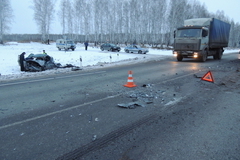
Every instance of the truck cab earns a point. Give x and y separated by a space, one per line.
190 41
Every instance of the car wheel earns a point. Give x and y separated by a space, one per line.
139 52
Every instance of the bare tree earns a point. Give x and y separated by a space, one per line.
97 20
70 18
87 8
6 17
78 10
132 21
62 13
44 15
66 17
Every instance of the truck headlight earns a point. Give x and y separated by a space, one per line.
195 55
175 53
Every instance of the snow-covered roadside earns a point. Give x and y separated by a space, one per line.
92 58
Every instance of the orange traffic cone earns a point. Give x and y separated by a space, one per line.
130 82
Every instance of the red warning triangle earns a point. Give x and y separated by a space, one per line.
208 77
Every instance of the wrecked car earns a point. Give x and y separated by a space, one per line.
39 62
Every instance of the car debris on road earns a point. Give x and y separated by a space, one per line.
131 105
42 62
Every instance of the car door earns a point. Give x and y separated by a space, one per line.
135 49
107 47
131 48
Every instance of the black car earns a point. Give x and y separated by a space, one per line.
110 47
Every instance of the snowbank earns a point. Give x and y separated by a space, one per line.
91 58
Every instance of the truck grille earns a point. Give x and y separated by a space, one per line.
187 44
184 46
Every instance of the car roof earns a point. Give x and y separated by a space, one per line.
110 43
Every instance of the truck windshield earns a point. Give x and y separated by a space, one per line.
189 33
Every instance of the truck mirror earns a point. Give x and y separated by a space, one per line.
204 33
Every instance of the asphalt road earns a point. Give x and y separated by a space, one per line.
76 116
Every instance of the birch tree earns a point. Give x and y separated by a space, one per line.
132 21
44 15
86 18
97 21
6 17
66 16
70 18
78 18
62 13
177 16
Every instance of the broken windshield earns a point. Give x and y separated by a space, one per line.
189 33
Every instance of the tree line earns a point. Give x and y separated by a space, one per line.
126 21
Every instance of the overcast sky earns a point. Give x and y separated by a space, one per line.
24 22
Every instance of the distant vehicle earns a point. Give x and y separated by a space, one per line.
65 44
135 49
39 62
200 38
110 47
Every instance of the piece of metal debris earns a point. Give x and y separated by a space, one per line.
94 137
76 68
131 105
197 76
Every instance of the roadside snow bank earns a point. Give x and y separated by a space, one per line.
92 58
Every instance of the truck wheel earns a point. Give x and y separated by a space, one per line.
203 58
214 56
59 49
179 57
219 54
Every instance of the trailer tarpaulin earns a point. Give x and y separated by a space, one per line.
219 33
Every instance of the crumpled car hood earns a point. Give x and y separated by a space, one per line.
39 62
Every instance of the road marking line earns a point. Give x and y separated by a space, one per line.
56 112
47 79
178 77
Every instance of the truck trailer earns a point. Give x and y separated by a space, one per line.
200 38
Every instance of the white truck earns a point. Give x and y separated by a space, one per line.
65 44
200 38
